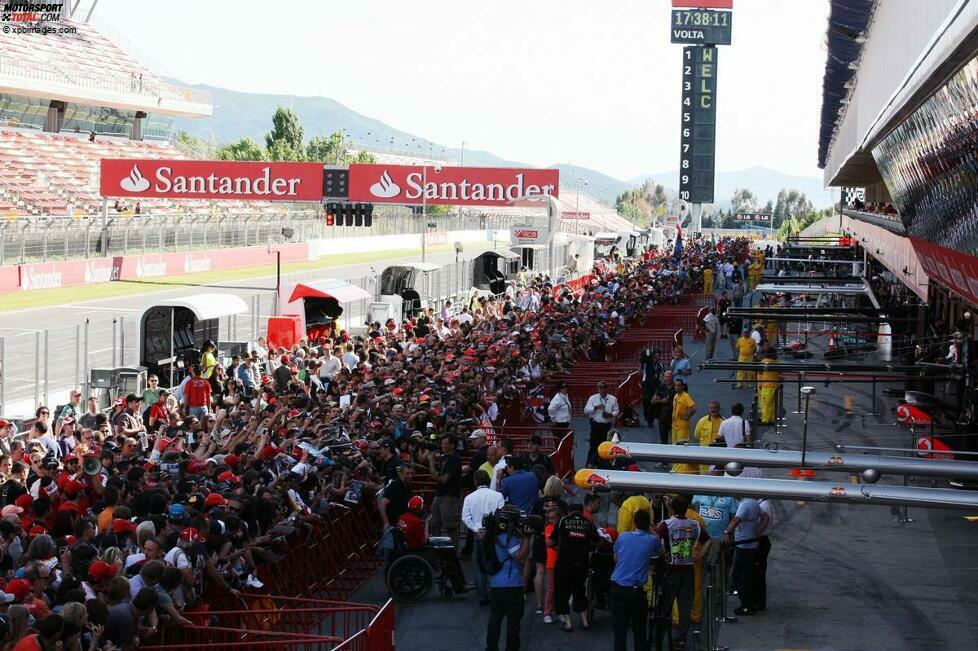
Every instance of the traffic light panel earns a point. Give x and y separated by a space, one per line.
349 214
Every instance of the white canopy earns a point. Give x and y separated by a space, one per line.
207 305
503 253
420 266
535 247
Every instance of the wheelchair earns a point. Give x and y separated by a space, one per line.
598 583
411 573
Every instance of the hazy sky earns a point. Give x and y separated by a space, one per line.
540 81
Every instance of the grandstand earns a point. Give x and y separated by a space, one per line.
87 68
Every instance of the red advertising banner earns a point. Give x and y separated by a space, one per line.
448 186
211 179
703 4
50 275
956 271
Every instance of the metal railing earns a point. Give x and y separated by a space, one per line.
151 89
46 239
706 634
40 365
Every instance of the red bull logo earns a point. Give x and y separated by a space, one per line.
608 450
587 478
838 491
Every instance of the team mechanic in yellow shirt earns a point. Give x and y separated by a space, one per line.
704 434
627 508
708 280
683 408
768 383
746 347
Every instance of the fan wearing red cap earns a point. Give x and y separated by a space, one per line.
121 527
413 524
215 499
100 571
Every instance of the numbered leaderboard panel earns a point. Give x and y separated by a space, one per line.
698 126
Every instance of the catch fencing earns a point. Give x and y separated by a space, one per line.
25 240
39 365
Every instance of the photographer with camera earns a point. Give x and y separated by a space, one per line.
507 545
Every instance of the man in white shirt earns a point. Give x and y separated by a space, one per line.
711 325
504 449
476 506
559 410
727 274
602 409
331 366
350 358
735 430
756 335
763 550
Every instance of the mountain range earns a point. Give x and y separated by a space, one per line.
248 115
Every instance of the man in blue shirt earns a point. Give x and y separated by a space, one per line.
506 588
520 488
633 552
716 511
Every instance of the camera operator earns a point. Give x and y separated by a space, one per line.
445 509
506 585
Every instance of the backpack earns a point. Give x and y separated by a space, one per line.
489 562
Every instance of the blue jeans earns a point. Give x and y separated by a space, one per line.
198 412
481 580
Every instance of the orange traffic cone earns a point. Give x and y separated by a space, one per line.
832 336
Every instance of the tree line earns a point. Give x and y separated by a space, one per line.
285 142
791 211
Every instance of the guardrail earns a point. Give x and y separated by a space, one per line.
49 238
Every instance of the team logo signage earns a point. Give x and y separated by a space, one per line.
523 235
450 186
206 179
753 217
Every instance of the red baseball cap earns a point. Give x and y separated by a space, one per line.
227 475
232 460
25 501
100 570
19 588
214 499
120 525
197 466
73 487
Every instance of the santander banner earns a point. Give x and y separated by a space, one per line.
211 179
956 271
448 186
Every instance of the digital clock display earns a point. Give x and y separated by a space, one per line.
701 26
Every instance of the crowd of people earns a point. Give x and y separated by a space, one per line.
118 522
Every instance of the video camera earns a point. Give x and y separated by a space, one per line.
515 523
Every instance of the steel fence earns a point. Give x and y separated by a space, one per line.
46 239
41 365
